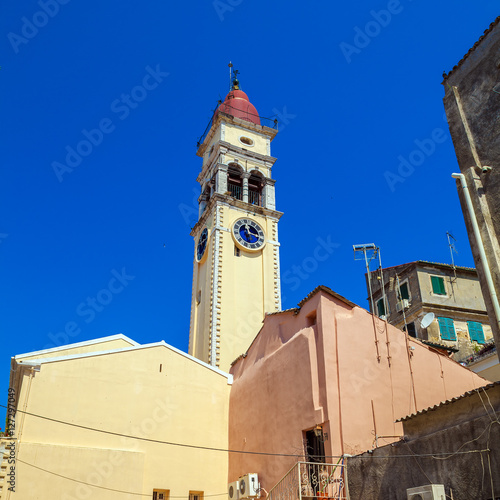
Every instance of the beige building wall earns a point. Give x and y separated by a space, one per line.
463 291
153 392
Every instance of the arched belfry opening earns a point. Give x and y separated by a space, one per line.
235 181
255 188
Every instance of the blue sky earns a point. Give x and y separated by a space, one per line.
364 153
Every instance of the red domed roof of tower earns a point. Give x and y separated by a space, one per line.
238 105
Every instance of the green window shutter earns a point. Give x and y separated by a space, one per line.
447 329
476 331
438 285
404 291
380 307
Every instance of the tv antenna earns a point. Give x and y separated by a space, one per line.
369 252
451 244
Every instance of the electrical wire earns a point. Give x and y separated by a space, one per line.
107 489
210 448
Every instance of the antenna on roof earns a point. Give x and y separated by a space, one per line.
368 252
451 244
230 75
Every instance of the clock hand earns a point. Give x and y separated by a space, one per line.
248 232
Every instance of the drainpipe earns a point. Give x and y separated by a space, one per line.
479 241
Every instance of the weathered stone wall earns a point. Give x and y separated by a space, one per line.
465 427
462 302
472 104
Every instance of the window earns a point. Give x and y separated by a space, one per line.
311 319
160 494
412 332
476 331
196 495
235 181
404 292
380 307
246 140
447 329
255 187
438 286
236 251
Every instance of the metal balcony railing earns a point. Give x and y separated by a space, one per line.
236 191
254 198
307 480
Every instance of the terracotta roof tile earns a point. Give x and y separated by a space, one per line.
329 291
439 346
492 25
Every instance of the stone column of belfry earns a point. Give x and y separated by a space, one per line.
236 266
246 176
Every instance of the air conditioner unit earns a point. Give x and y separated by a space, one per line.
428 492
249 486
402 304
233 490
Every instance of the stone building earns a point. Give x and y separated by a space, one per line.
451 293
455 444
472 104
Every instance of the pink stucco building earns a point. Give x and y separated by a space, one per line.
328 379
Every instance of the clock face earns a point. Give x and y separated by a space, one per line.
248 234
202 244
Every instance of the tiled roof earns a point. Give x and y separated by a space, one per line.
292 309
449 401
295 310
492 25
429 263
329 291
439 346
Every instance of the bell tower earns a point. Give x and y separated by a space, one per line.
236 277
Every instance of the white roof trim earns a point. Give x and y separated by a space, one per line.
137 346
78 344
489 360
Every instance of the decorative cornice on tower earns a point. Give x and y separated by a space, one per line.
229 200
226 118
